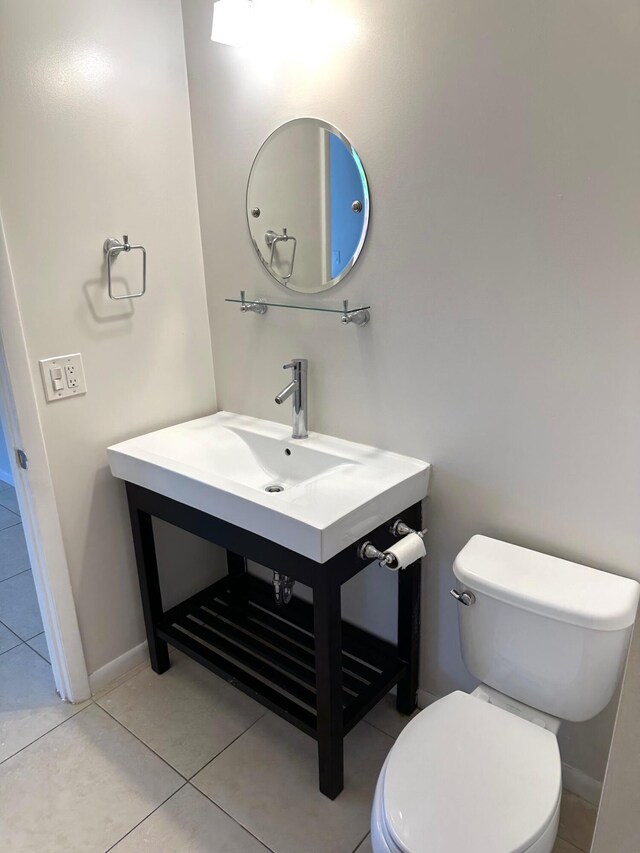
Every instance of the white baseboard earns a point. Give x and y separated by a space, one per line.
111 672
5 476
573 780
579 783
425 698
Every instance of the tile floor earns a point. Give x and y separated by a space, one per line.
20 621
146 767
179 763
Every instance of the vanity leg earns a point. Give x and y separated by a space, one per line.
327 623
142 528
237 569
409 636
236 565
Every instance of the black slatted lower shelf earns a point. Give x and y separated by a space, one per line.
235 629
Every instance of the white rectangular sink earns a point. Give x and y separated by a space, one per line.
315 496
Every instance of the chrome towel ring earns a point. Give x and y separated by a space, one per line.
112 249
272 239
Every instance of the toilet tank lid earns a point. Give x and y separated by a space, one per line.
549 586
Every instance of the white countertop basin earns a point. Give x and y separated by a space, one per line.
333 491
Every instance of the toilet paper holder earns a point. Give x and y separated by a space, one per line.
386 559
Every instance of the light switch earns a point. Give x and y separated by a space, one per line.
63 376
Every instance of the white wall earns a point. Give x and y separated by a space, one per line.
96 141
501 144
618 828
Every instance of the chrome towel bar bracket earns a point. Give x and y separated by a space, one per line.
112 249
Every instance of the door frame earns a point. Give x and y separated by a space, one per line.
36 498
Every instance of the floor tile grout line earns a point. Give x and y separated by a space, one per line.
146 817
13 512
27 642
139 739
197 790
14 524
11 630
570 844
211 800
225 748
123 679
229 815
52 729
22 639
21 572
189 780
234 818
378 729
11 648
362 840
22 642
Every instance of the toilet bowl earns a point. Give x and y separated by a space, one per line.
466 775
481 772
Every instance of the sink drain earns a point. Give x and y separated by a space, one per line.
274 488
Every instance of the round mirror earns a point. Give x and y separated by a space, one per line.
307 205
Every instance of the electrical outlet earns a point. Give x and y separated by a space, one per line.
72 375
63 376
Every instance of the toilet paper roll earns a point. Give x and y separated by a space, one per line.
407 550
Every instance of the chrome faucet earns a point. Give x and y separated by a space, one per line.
297 387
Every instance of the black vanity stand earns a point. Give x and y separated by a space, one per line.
300 660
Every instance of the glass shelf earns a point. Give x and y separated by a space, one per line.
357 313
329 310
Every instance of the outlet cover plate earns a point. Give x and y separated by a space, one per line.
63 376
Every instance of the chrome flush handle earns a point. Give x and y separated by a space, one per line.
466 598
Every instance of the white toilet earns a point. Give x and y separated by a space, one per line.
481 773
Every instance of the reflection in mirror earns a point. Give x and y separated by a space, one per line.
307 205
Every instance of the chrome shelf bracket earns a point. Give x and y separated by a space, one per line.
360 317
258 305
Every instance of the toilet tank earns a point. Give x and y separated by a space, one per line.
550 633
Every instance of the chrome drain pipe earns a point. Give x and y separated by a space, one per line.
282 588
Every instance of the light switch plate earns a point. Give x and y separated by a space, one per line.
63 376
